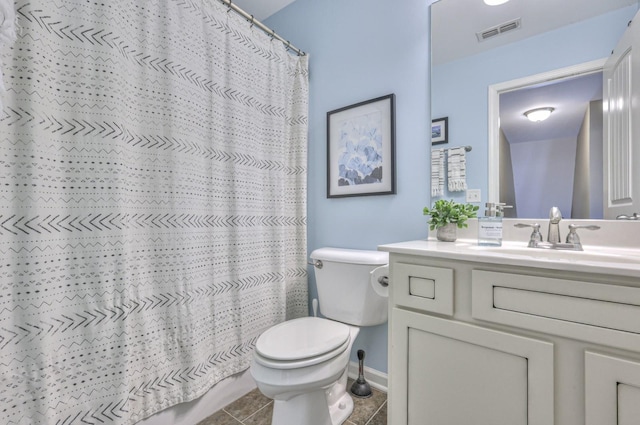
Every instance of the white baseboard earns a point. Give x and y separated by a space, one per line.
375 378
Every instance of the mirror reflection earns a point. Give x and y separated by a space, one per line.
538 38
554 159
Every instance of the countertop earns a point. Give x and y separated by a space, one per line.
594 259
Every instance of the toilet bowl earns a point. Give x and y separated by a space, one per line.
302 363
305 374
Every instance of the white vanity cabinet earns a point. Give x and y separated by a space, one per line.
457 373
477 341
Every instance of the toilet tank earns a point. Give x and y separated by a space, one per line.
346 288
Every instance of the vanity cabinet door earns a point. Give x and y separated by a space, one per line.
455 373
612 390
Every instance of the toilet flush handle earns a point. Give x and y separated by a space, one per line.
316 263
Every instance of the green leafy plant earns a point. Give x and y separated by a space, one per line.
445 212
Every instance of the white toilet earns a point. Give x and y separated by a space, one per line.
302 363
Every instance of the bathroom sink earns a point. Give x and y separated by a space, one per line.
591 254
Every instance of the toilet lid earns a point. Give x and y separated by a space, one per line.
302 338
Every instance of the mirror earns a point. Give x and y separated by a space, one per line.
476 47
564 153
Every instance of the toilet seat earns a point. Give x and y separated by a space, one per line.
301 342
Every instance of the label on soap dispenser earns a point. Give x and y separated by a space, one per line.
489 231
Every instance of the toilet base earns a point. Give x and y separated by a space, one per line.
304 409
311 409
339 401
341 410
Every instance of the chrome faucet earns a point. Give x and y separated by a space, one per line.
634 216
553 235
536 237
555 216
574 239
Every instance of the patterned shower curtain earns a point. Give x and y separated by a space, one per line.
153 205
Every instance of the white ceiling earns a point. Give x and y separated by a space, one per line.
262 9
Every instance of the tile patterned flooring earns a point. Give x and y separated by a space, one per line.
256 409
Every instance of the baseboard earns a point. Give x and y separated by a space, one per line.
375 378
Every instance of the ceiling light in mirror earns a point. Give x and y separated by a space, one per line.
495 2
538 114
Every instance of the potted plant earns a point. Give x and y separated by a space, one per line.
446 216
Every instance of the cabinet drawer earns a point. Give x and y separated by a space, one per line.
605 314
423 288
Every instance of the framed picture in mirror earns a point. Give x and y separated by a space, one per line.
440 131
361 149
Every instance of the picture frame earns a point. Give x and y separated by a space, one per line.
440 131
361 149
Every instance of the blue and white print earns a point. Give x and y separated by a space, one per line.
360 150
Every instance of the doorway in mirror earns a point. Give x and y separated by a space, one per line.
556 162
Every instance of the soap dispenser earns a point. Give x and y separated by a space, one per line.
490 226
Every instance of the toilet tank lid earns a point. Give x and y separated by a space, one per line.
352 256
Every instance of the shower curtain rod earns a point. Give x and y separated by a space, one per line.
262 26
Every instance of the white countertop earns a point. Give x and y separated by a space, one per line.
594 259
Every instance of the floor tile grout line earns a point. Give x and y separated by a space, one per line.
256 412
225 411
376 412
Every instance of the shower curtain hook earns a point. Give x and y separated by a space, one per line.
252 20
229 5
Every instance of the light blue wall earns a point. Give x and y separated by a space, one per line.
359 50
362 49
460 87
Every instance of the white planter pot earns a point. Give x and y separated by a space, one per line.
447 233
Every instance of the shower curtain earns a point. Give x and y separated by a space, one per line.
153 205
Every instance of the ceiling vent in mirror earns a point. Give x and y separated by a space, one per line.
498 29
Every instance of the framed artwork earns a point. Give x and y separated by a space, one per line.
361 149
440 131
